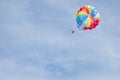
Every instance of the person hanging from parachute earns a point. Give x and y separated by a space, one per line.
87 18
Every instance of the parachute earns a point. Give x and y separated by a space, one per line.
87 18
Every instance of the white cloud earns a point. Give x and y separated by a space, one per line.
48 51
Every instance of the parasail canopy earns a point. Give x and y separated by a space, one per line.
87 18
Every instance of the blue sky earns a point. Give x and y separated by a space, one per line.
36 41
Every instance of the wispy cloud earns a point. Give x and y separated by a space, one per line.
36 42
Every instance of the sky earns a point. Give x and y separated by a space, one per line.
36 41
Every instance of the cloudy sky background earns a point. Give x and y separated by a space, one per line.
36 41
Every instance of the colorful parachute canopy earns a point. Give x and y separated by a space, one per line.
87 18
